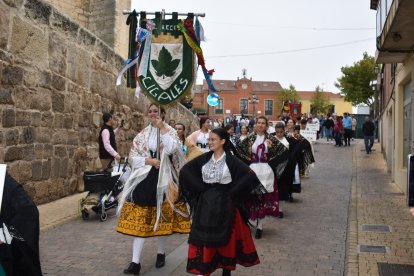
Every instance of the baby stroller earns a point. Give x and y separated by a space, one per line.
103 189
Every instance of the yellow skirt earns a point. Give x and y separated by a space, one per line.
139 221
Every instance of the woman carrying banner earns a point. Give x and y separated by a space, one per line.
200 137
219 237
267 157
149 205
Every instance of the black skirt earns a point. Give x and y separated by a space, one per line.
145 194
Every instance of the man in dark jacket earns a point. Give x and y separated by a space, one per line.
107 144
368 130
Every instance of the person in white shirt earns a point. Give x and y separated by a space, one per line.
200 137
107 144
271 129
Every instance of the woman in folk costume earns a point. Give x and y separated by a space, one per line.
216 185
191 151
301 156
267 157
149 205
200 137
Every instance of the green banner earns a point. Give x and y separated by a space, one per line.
169 72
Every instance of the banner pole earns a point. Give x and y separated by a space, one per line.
165 13
159 134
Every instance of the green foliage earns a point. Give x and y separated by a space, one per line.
356 79
288 94
320 102
165 66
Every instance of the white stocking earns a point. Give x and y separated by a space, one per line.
281 206
260 224
161 244
137 246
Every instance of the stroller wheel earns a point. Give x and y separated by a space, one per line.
85 215
104 216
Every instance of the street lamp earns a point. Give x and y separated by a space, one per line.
253 100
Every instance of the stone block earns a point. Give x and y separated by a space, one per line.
9 118
96 119
46 169
37 170
86 38
12 137
43 135
13 153
38 11
60 137
14 3
34 78
4 25
38 151
80 154
47 151
85 119
84 134
55 168
64 24
25 171
6 95
57 53
28 135
12 75
23 118
58 82
58 121
41 99
1 137
42 190
93 152
68 122
73 103
73 138
47 119
21 94
60 152
78 65
36 119
63 168
104 52
58 102
30 43
28 152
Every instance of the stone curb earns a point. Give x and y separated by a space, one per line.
351 254
59 211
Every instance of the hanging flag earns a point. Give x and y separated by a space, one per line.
167 73
132 21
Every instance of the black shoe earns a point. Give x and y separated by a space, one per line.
258 234
281 215
160 260
226 272
133 268
291 198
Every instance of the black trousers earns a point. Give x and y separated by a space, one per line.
347 136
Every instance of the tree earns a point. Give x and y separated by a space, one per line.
355 82
289 94
320 102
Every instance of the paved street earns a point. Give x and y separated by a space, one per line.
310 240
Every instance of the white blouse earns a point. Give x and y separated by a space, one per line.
259 140
216 171
202 139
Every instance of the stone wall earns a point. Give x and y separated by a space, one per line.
103 18
56 80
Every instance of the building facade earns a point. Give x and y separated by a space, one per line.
395 40
254 98
240 97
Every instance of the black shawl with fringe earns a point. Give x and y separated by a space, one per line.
213 205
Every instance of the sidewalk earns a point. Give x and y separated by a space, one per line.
375 204
59 211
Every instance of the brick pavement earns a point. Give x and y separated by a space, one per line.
377 201
312 239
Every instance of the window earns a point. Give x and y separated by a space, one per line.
268 107
219 107
243 106
407 123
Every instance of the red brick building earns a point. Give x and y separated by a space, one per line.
241 96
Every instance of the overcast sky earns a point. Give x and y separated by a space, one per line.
299 42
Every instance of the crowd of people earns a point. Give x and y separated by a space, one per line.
248 174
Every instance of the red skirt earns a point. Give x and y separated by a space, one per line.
240 249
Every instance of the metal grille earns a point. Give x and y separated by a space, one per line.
376 228
395 269
372 249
